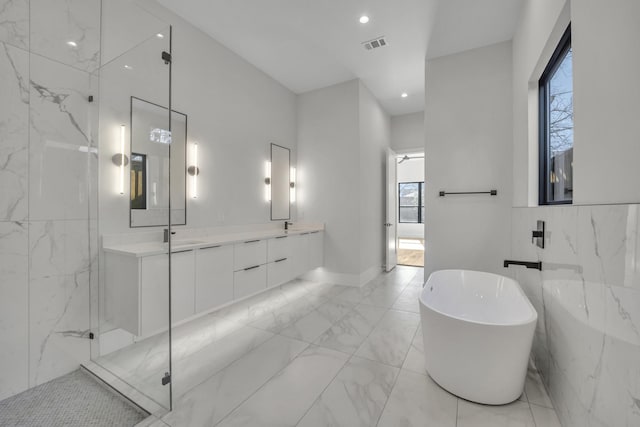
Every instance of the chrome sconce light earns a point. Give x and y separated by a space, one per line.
292 185
267 181
120 159
194 171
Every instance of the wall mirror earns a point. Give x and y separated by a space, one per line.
280 181
156 152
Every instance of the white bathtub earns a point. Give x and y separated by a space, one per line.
477 329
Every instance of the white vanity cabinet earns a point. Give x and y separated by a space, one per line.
315 247
250 275
214 277
138 290
202 277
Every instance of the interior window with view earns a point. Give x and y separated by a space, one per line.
411 202
556 126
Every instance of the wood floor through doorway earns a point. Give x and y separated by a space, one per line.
411 252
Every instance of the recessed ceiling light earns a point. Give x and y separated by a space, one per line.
404 94
160 35
128 67
364 19
72 44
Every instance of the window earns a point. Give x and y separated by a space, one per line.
556 126
411 202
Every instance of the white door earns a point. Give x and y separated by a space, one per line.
392 209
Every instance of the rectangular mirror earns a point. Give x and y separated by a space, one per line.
280 181
156 152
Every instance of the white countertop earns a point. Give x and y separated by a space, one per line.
178 245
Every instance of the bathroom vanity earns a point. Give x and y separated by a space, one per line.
206 274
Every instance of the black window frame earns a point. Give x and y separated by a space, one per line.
543 117
420 203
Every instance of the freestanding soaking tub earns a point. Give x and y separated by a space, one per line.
477 329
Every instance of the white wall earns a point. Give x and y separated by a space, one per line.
234 112
586 345
342 137
606 97
606 67
407 132
468 148
328 171
374 140
411 171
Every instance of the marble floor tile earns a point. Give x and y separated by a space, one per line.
212 400
348 333
384 296
408 300
308 328
516 414
417 401
544 417
389 342
355 397
285 399
195 367
535 390
279 319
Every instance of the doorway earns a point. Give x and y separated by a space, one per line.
411 211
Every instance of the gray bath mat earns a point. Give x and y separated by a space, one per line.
75 399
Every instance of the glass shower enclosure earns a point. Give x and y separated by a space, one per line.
131 298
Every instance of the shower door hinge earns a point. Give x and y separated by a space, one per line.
166 379
90 99
91 336
166 57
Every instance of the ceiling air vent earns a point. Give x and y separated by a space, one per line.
375 43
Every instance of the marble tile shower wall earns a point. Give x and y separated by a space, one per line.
48 168
587 342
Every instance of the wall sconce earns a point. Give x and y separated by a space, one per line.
120 159
194 171
292 185
267 181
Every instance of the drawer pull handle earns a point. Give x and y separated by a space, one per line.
251 268
303 234
179 252
211 247
282 237
314 232
252 241
280 260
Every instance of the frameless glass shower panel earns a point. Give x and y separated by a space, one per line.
131 316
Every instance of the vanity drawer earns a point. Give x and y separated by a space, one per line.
249 281
279 272
278 248
249 253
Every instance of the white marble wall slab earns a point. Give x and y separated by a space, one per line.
14 345
14 132
14 23
55 23
59 325
59 141
587 342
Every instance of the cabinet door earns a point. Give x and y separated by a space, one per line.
182 285
278 272
278 248
299 254
316 250
250 253
154 294
249 281
214 277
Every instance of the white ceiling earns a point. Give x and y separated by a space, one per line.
310 44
